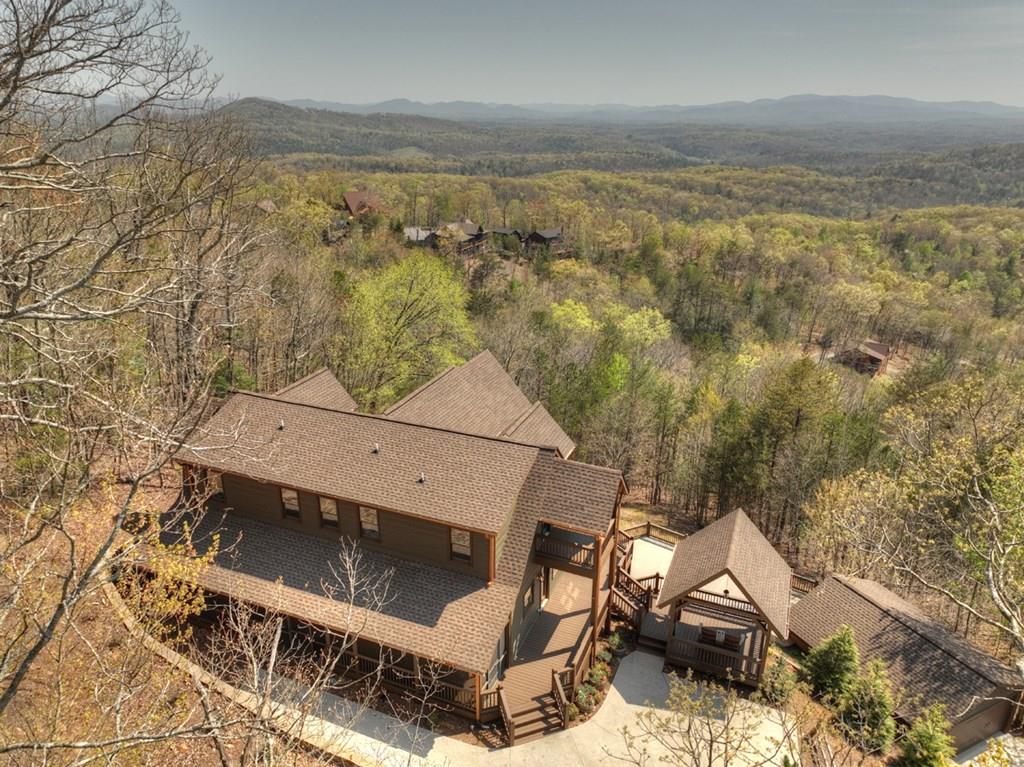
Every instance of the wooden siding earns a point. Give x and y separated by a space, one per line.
399 534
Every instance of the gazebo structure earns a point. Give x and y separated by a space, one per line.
727 589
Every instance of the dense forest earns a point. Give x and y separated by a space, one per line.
157 253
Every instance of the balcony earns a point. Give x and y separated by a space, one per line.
565 550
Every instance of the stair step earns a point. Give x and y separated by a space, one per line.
535 731
546 719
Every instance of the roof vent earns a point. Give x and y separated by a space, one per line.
423 479
376 447
280 425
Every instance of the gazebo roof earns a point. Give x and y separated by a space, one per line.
733 546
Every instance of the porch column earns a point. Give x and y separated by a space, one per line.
476 677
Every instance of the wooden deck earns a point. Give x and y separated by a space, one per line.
550 643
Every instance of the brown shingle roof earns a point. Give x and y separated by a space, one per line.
319 388
923 658
361 201
479 397
733 545
432 612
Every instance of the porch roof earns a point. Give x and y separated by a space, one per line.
733 546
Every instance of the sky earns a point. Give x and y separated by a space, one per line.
642 52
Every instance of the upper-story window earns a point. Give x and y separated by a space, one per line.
290 503
461 543
369 526
328 512
215 484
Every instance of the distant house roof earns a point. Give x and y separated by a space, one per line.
479 397
318 388
416 233
504 231
922 657
359 202
546 234
267 206
733 545
875 349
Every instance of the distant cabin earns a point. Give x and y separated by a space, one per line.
544 238
360 203
869 357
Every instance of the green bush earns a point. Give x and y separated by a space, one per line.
572 712
604 656
615 641
778 682
927 742
832 666
586 697
598 676
866 709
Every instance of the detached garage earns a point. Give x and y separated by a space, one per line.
927 663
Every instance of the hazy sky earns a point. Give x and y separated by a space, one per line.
627 51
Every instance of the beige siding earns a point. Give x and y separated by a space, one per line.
399 534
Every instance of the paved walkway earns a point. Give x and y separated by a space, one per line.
595 742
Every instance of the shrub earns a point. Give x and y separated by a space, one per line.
615 641
598 676
604 656
927 742
778 682
572 712
586 697
866 708
832 665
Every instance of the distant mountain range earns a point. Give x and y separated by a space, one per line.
791 111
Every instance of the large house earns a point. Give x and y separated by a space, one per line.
501 548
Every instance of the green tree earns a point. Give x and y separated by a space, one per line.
866 708
927 742
402 326
831 667
778 683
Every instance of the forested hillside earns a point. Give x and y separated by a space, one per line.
156 254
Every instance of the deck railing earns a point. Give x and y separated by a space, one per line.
710 659
637 591
736 605
506 717
802 584
578 554
406 679
653 583
624 605
652 530
558 693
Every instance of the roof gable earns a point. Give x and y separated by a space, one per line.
733 545
480 397
319 388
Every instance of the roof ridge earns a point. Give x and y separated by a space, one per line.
309 377
896 617
424 386
521 418
386 419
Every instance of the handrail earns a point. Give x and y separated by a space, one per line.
739 605
581 555
625 605
654 530
558 693
652 583
506 716
633 588
705 657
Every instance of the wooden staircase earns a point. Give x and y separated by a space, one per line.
537 719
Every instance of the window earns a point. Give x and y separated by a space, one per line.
368 525
528 598
328 512
215 484
290 503
461 544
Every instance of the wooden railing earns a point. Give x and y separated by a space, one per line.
577 554
653 583
506 717
652 530
637 591
802 584
625 546
558 693
711 659
489 699
581 660
737 605
438 689
624 605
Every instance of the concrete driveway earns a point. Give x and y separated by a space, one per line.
387 742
